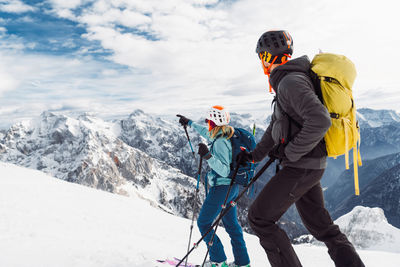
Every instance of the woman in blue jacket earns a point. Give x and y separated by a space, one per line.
219 158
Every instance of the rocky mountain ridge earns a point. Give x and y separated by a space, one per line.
88 151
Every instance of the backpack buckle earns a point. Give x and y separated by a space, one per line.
334 115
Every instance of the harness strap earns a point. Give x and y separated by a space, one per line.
359 145
346 142
356 155
355 164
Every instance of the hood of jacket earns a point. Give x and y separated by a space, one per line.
301 64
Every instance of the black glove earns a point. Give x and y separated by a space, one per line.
243 157
183 120
203 151
278 152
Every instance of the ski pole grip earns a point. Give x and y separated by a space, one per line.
200 163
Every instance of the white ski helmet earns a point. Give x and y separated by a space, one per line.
218 115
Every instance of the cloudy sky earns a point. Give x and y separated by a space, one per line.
111 57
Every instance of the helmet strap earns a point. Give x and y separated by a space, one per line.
270 65
267 70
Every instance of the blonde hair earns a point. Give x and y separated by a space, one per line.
227 131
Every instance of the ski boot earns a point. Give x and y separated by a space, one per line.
215 264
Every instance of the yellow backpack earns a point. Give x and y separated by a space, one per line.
335 75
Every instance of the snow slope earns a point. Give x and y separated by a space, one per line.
50 222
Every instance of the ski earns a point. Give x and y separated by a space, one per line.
175 262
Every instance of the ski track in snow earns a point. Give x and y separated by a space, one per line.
48 222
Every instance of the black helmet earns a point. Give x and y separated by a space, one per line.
276 43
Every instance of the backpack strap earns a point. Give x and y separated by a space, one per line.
316 80
356 157
206 183
215 139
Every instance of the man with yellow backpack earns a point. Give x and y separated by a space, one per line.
302 124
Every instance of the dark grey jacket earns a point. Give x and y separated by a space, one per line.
304 148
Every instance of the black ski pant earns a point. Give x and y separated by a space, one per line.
302 187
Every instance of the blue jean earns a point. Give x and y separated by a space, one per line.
209 211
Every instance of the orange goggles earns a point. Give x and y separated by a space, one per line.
265 56
269 58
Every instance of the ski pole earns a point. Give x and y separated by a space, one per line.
223 208
232 204
190 143
194 205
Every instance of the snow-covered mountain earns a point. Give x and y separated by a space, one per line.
369 228
49 222
380 132
142 154
88 151
166 140
344 186
380 136
366 228
382 191
377 118
379 187
160 139
148 155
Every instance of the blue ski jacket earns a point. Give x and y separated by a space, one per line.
221 152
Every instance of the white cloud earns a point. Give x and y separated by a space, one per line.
65 8
114 17
203 2
70 4
183 55
15 6
8 81
33 83
186 37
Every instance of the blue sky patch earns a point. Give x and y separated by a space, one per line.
44 33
